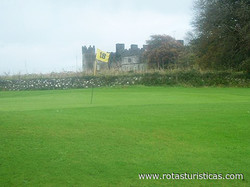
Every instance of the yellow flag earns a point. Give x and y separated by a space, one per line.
102 56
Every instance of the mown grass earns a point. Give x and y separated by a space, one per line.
57 138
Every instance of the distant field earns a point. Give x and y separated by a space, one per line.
57 138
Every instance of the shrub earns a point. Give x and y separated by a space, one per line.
174 78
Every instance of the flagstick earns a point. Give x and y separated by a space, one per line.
103 57
95 67
92 94
92 90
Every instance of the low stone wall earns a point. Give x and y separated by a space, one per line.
191 78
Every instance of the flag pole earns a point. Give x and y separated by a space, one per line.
103 57
92 89
95 67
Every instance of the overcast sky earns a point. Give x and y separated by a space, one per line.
41 36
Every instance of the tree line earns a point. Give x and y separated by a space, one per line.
220 39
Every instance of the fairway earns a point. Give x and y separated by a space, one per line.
57 138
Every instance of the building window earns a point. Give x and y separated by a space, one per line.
129 60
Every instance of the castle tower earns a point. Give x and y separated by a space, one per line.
120 48
88 58
134 47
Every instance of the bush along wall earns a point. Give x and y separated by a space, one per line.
190 78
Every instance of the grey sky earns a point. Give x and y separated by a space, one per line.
39 36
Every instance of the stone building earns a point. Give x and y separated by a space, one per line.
88 58
130 59
122 60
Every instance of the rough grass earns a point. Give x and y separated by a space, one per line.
57 138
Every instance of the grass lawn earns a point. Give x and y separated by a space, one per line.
57 138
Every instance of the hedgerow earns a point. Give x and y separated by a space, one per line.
174 78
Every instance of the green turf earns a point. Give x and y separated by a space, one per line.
57 138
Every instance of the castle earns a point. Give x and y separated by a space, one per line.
88 58
123 59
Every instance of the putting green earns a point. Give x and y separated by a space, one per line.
57 138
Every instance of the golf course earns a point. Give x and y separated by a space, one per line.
58 138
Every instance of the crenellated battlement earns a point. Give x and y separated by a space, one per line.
122 59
